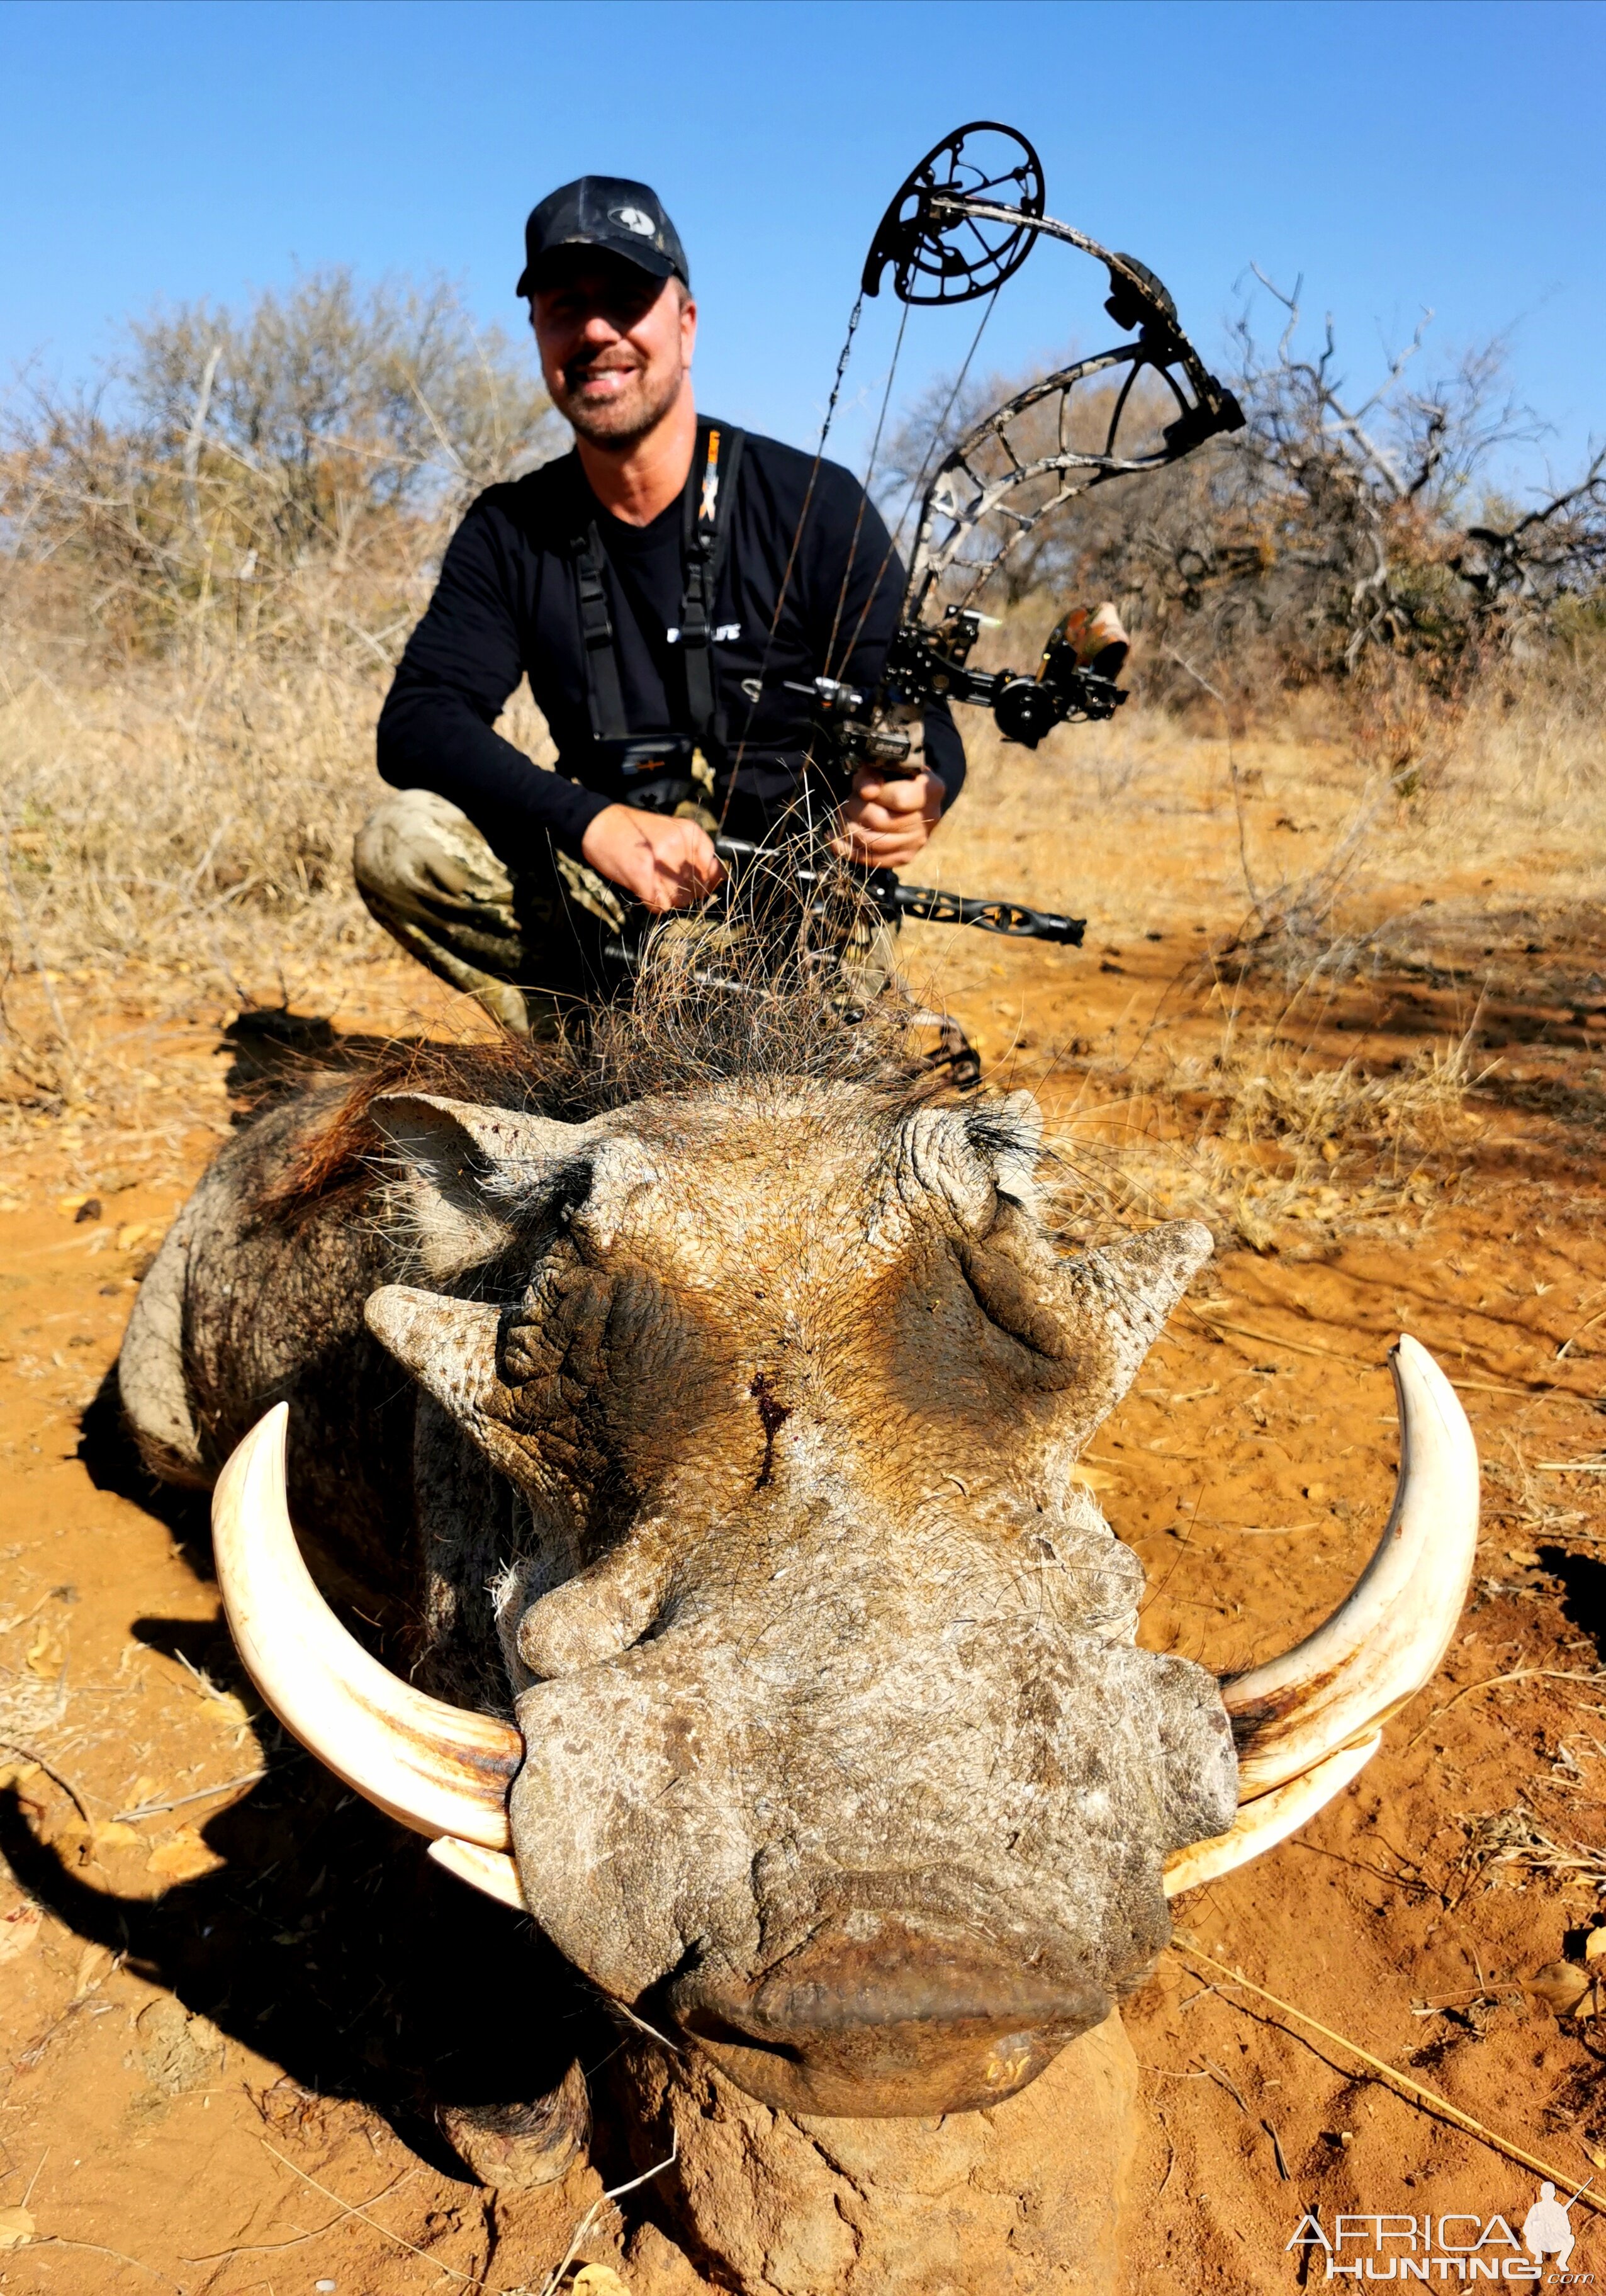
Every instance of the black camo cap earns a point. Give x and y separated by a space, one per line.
608 212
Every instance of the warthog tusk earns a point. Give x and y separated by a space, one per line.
1385 1642
492 1871
1308 1722
1260 1824
440 1769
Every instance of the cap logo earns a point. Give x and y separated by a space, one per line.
635 220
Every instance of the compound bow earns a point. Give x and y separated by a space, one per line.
960 226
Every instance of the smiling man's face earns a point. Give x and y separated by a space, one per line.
615 345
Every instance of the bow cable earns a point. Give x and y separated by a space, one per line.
925 271
853 546
934 447
756 690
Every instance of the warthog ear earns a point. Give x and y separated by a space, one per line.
471 1169
455 1139
971 1156
478 1171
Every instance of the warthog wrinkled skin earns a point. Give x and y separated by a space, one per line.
734 1461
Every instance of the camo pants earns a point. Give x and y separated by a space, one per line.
526 944
523 945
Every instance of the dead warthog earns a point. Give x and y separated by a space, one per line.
769 1655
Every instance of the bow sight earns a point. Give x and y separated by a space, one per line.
924 665
961 225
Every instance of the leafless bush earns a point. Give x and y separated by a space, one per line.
1338 536
278 481
207 568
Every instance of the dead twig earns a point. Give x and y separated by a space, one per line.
1267 1339
271 2247
1227 2083
1427 2099
358 2209
60 2240
594 2211
1170 2158
182 1801
1491 1682
1361 1362
1282 2169
30 1754
1588 1326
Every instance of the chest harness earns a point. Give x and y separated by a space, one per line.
661 777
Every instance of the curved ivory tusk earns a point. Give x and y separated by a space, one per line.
492 1871
1260 1824
1382 1645
438 1768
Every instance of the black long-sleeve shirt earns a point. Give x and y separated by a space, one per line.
505 607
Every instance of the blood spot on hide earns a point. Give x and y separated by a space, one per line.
773 1416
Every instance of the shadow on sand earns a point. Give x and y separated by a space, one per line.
326 1941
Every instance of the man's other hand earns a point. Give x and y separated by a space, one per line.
888 818
665 864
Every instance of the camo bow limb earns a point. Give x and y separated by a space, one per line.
961 224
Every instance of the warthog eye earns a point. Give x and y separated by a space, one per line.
1008 1297
605 1365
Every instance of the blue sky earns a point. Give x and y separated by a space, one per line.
1398 155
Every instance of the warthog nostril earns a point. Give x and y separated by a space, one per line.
895 2016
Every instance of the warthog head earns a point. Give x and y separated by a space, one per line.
834 1748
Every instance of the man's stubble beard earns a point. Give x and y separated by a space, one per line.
619 423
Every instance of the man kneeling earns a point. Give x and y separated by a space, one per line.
666 587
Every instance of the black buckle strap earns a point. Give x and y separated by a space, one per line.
709 487
708 492
603 694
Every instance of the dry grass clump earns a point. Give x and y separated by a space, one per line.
154 814
175 835
1259 1136
1255 1137
1514 1846
1516 776
182 835
200 606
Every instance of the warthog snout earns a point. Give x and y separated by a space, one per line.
887 2014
